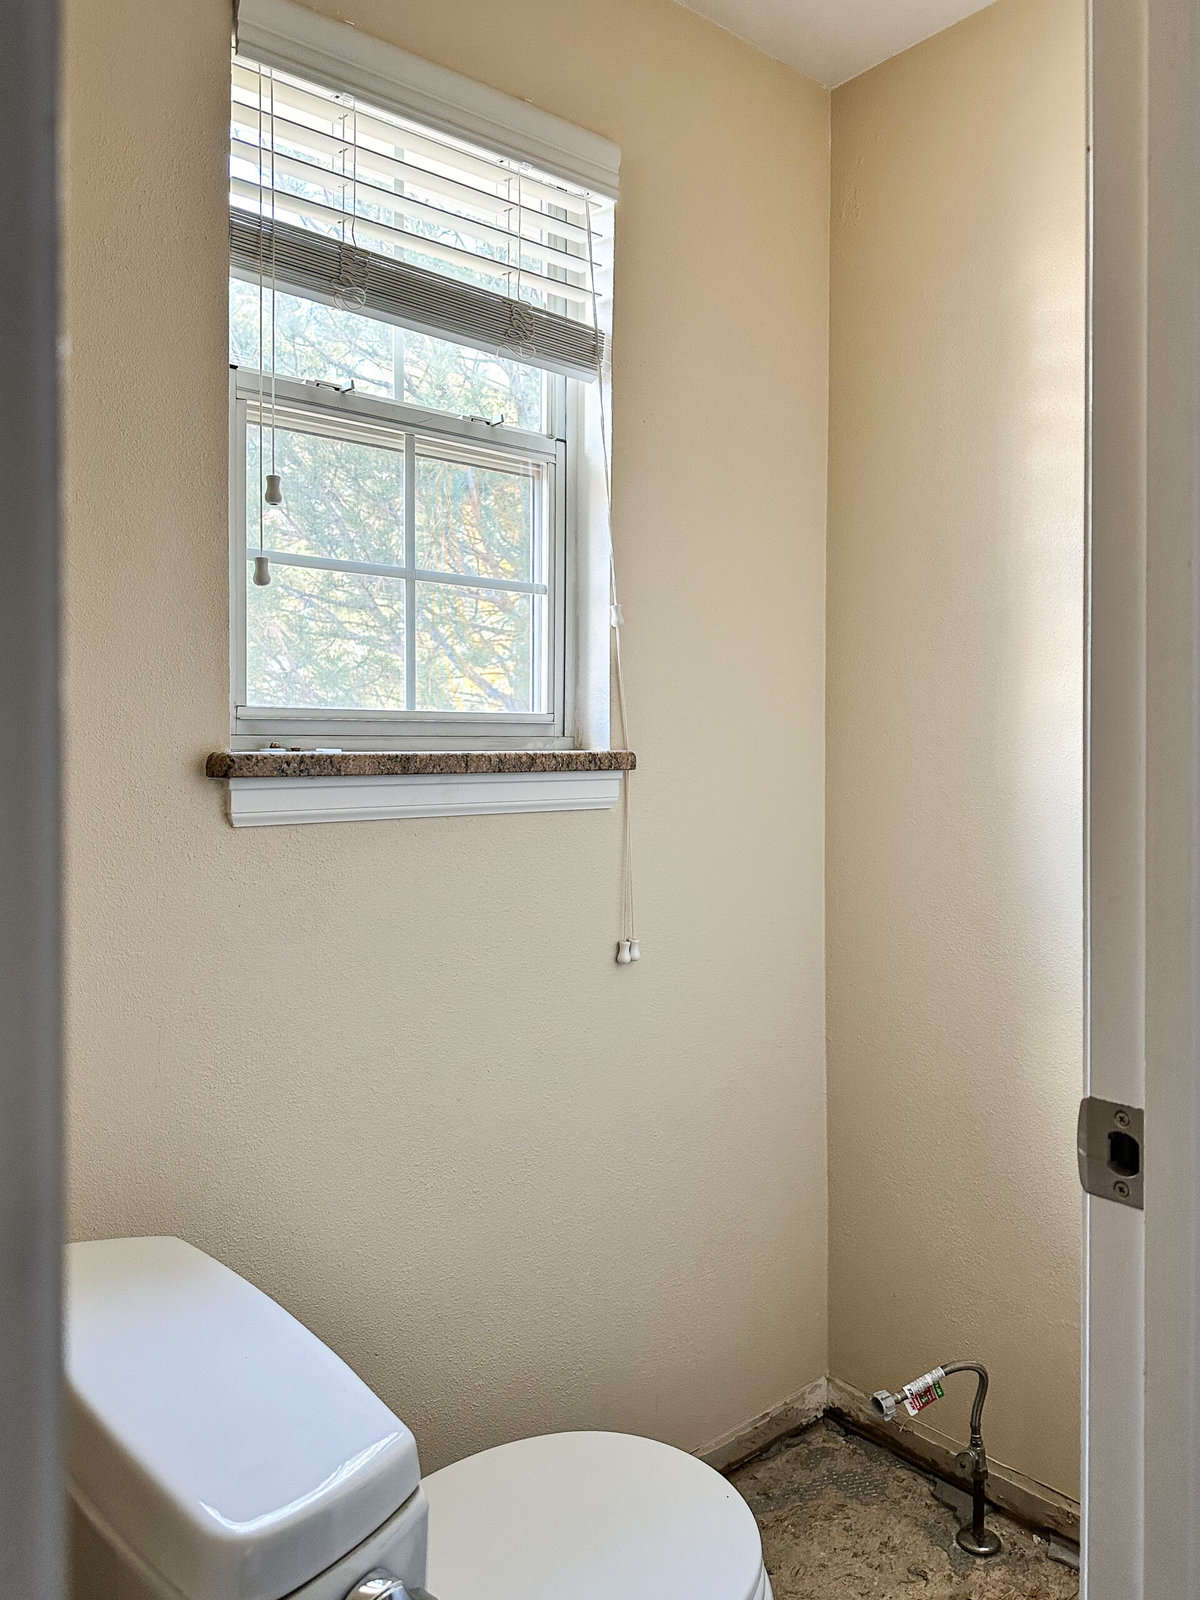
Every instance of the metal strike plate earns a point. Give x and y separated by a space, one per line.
1111 1146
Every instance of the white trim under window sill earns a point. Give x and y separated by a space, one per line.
304 787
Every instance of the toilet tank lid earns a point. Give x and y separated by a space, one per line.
211 1432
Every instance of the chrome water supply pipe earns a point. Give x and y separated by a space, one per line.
975 1537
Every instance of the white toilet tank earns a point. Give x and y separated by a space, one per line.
217 1450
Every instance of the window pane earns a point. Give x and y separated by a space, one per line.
470 383
341 499
476 649
320 638
477 520
311 341
316 341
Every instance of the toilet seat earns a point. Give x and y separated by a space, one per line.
590 1516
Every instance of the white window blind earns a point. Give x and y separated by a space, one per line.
355 206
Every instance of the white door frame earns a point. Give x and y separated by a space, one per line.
1172 1451
1142 1302
30 1230
1114 1060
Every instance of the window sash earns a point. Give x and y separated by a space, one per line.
334 410
366 419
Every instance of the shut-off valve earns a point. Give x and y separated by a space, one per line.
975 1537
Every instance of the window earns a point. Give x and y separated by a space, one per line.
414 350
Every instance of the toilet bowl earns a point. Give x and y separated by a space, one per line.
217 1450
592 1516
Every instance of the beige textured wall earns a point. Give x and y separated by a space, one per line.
390 1070
954 666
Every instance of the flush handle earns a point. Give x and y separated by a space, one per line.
381 1585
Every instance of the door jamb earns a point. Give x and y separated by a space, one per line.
31 1522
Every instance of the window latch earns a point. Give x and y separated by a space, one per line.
330 383
1111 1142
488 422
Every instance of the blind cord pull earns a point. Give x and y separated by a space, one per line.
350 287
262 567
629 949
274 490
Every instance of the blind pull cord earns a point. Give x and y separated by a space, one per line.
274 490
262 567
628 948
350 286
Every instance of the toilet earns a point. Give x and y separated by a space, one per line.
217 1450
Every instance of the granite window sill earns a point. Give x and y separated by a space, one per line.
268 788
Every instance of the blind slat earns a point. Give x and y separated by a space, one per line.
413 297
361 189
384 170
299 212
354 233
323 107
327 110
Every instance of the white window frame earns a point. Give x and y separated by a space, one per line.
342 415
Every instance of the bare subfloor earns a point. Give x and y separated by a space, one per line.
843 1520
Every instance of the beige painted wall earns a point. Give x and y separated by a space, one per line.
954 762
389 1070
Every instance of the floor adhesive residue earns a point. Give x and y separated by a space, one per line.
842 1519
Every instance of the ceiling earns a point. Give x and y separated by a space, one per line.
832 40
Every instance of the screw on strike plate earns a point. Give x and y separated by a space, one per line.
1121 1118
1122 1190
